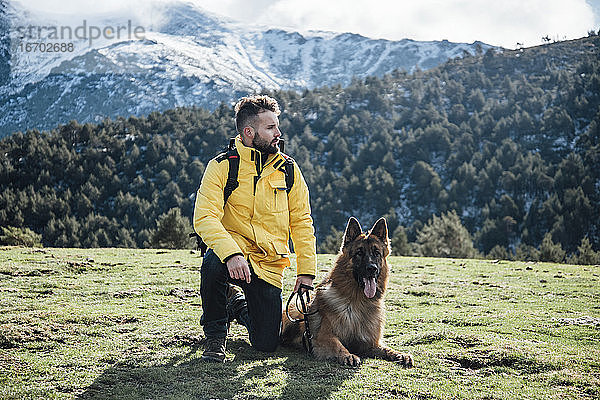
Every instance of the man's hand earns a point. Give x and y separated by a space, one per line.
238 268
307 280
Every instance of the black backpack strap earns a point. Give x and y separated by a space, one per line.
233 157
288 166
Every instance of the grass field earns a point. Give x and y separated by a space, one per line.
125 324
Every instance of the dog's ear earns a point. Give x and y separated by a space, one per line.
380 230
353 230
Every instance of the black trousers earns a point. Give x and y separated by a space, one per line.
262 316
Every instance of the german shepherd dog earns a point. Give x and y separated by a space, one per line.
346 316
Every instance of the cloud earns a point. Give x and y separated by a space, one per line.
146 13
500 23
595 4
75 7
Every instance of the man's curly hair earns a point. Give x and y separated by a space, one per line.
247 108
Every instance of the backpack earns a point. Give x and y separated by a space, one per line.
231 154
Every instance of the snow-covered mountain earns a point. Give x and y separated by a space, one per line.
186 56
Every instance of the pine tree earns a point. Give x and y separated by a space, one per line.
332 242
499 253
13 236
445 236
550 251
525 252
172 231
400 246
587 255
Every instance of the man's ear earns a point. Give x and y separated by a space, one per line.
248 133
353 230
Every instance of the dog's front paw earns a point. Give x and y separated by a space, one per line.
349 359
389 354
403 359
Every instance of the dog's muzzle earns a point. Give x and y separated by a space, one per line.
370 281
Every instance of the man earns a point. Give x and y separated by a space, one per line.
248 235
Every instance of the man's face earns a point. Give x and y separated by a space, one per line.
266 132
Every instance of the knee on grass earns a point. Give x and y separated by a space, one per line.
265 346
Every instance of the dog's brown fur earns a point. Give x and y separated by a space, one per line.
348 324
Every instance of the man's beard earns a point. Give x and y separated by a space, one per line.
263 145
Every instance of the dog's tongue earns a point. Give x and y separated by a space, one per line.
370 287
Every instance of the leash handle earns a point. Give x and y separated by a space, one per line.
303 304
303 309
307 289
287 309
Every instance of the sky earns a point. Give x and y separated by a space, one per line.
501 23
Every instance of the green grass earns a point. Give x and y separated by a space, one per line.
125 324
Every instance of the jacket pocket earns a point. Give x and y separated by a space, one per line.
278 196
281 248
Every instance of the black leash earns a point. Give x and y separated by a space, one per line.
303 309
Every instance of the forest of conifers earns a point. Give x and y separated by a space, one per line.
508 140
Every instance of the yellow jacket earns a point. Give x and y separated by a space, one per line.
257 222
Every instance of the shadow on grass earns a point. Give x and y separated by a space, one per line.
285 374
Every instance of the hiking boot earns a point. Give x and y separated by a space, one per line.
214 350
236 302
